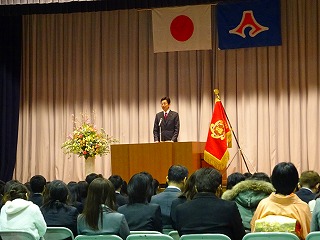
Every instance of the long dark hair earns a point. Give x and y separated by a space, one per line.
101 197
140 188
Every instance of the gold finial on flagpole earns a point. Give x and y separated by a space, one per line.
216 92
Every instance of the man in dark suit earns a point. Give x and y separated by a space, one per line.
37 185
166 123
117 182
177 176
309 185
207 213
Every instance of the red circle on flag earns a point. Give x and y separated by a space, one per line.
181 28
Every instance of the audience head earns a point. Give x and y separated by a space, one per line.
234 178
117 182
15 191
155 186
8 185
247 175
57 193
124 190
260 176
100 191
139 188
90 177
309 179
208 180
150 179
189 188
285 178
74 194
83 189
101 197
38 183
177 175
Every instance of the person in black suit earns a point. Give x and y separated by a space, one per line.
207 213
37 185
177 176
166 123
117 182
139 213
55 210
309 185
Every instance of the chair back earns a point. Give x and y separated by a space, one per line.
16 235
58 233
270 236
211 236
149 237
174 234
98 237
313 236
145 232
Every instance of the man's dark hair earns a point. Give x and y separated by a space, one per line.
116 180
234 178
260 176
83 189
285 178
177 173
37 183
90 177
208 180
309 179
166 98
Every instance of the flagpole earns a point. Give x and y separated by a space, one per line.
216 92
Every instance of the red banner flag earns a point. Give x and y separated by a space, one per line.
219 138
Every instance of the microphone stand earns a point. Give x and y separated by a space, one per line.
160 129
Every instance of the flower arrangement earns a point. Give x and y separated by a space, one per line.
86 141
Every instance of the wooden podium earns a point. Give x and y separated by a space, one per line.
155 158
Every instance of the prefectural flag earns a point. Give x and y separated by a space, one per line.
248 23
181 28
219 138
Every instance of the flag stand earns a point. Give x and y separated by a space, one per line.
216 92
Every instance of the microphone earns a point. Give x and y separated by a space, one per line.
160 122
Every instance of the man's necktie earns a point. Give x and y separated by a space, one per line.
165 115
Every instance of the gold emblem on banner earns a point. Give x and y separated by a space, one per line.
217 130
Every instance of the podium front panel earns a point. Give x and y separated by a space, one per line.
155 158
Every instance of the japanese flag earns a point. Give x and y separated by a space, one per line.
182 28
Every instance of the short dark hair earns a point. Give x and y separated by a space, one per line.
83 189
90 177
285 178
309 179
167 99
139 188
74 194
260 176
234 178
116 180
37 183
177 173
208 180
